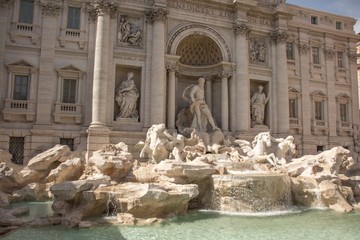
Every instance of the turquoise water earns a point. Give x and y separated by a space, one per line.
302 225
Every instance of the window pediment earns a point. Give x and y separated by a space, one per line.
21 66
70 71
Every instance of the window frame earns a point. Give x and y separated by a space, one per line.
14 87
340 60
24 20
292 55
314 20
69 25
316 58
62 90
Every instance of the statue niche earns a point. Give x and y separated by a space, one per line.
258 104
126 97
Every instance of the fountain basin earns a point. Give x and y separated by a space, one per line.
251 192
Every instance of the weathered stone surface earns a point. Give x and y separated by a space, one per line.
5 156
113 160
333 197
4 200
46 221
149 200
68 191
327 163
69 170
9 180
31 192
9 217
184 172
251 193
40 166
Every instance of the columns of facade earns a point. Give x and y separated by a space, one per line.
103 10
208 92
171 98
46 87
242 83
353 58
225 100
282 91
158 16
331 94
98 133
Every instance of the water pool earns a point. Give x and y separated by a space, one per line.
308 224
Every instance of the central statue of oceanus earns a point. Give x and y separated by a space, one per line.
197 115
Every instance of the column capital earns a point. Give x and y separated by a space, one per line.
279 36
277 3
303 47
101 7
5 3
50 8
241 29
172 67
156 14
329 53
225 74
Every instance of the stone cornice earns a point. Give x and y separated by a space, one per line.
5 3
241 29
156 14
279 36
50 8
107 7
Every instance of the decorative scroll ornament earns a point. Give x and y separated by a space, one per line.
50 8
277 3
241 29
279 36
304 48
329 53
258 50
105 7
224 74
156 14
5 3
172 67
353 57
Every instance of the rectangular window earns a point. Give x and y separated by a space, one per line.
290 51
16 148
26 11
316 55
339 25
320 149
319 110
340 59
69 91
343 112
21 87
314 20
73 18
292 108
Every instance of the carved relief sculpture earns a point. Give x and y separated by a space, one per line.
258 103
197 115
129 33
126 97
257 50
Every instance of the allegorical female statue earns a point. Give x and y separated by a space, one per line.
126 97
258 103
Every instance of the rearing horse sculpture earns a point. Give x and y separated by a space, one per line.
257 150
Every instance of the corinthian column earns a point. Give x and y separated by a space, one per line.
172 70
158 16
104 9
282 86
225 100
242 83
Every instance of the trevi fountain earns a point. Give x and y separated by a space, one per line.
193 183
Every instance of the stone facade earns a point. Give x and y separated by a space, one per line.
60 69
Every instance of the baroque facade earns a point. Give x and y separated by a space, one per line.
90 72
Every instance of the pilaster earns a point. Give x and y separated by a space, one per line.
225 100
172 70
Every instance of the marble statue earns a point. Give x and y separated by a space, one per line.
129 34
126 97
154 146
197 115
258 103
257 151
285 145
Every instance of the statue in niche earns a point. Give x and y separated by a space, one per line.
126 97
258 103
197 115
257 50
129 34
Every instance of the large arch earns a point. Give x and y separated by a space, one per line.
184 31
